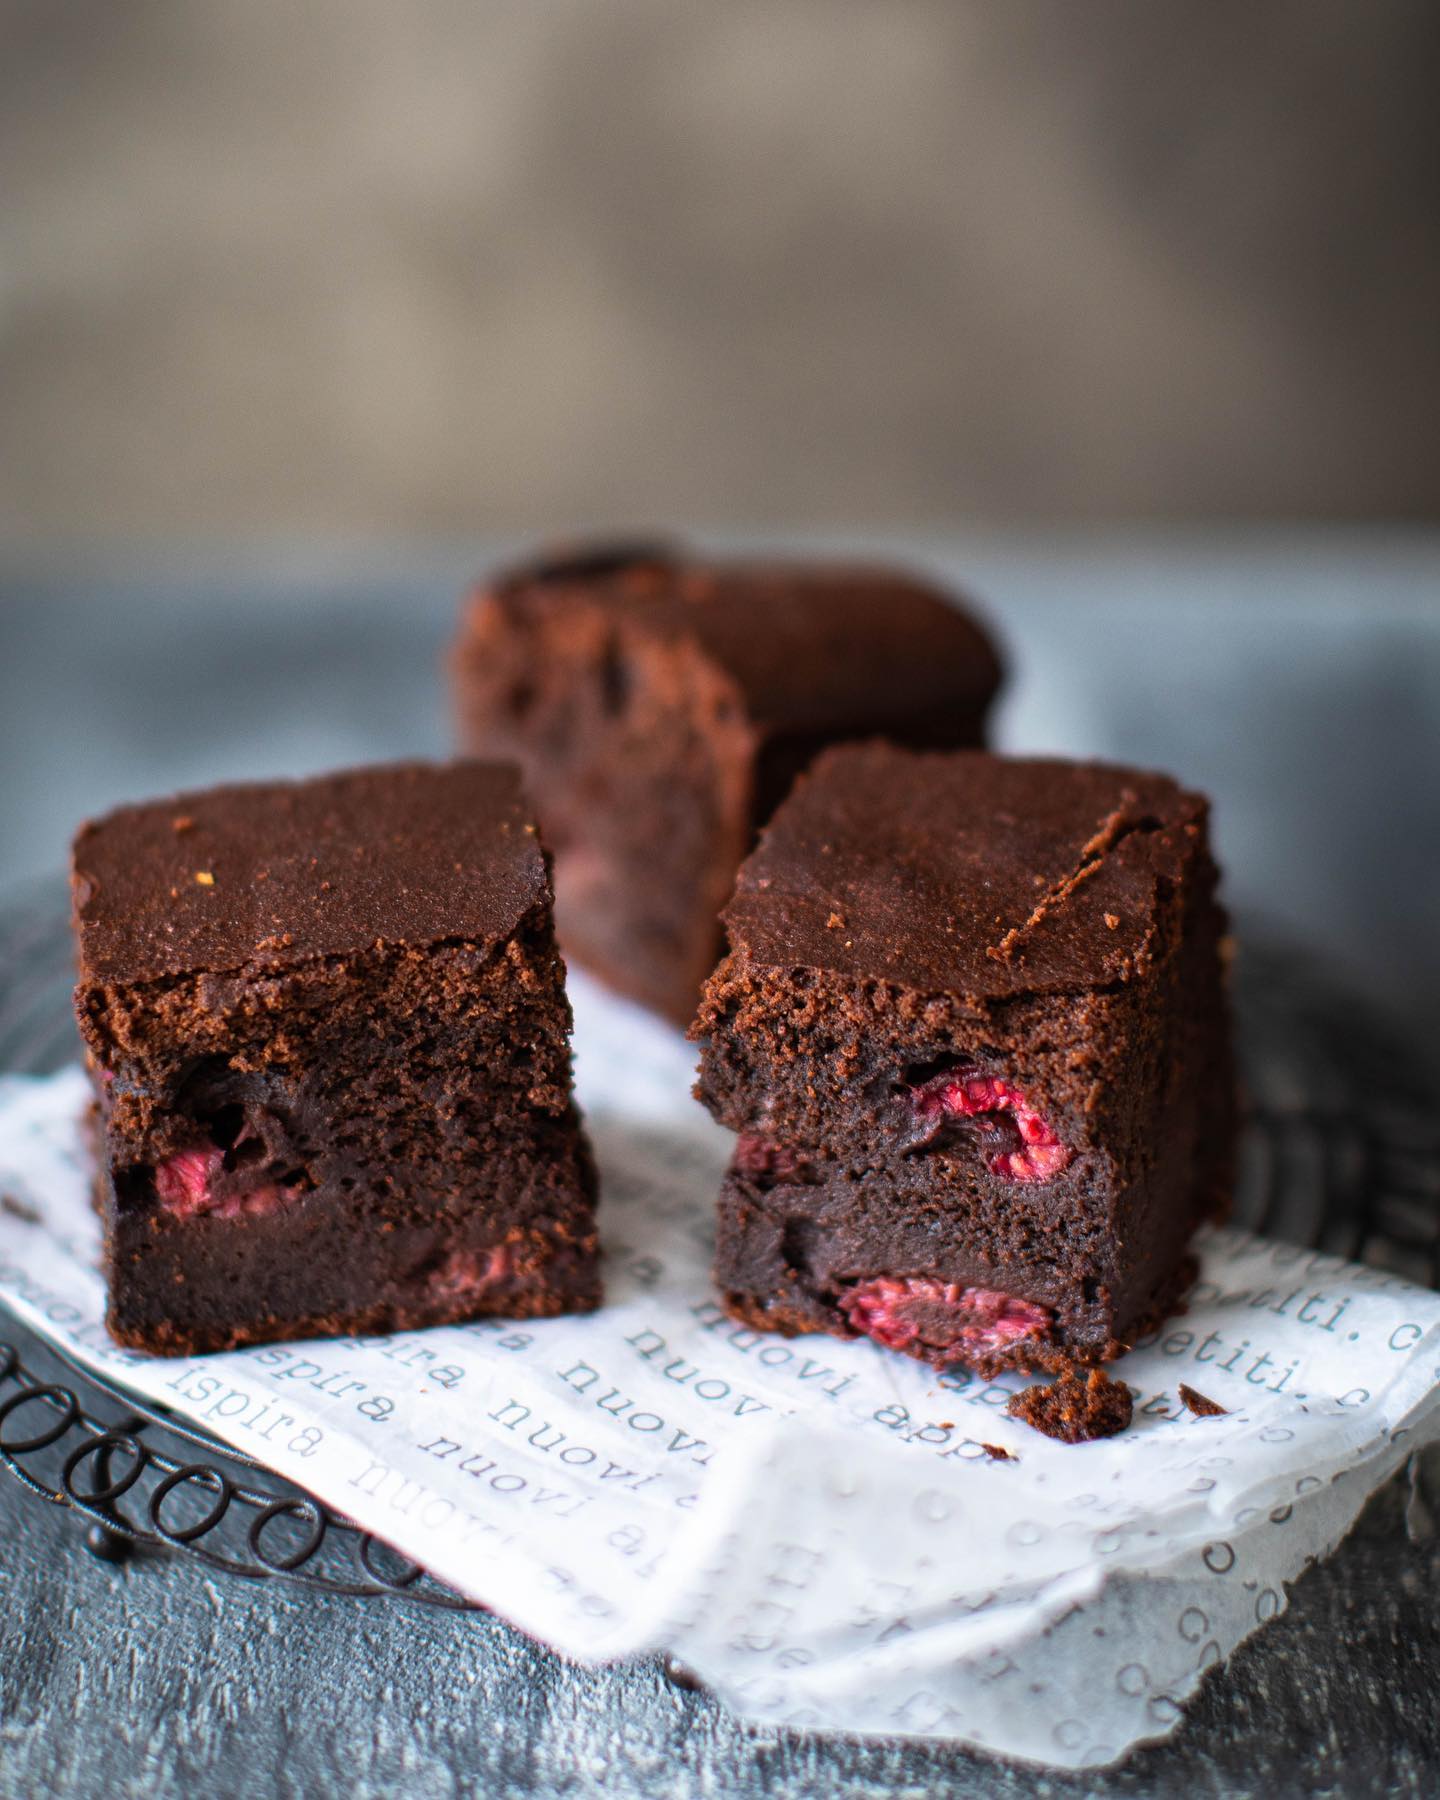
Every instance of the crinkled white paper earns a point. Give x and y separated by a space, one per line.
815 1527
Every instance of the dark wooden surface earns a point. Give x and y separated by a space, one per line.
153 1679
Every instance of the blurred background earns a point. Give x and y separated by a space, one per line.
1124 315
467 265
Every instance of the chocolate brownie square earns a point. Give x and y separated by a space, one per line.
660 708
329 1036
972 1033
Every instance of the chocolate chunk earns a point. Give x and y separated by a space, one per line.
1200 1406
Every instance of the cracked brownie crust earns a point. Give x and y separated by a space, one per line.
327 1028
973 1037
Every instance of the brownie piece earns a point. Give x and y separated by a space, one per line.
973 1034
661 707
1075 1408
329 1036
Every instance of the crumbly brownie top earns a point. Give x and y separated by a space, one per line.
271 874
811 646
964 873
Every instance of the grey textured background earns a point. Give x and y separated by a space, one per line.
461 266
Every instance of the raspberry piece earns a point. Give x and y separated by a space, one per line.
1019 1143
925 1316
471 1271
185 1188
182 1181
253 1202
765 1163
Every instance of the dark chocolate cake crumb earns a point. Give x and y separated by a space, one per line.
998 1453
1075 1408
1201 1406
681 1675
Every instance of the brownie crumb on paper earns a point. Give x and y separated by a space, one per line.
1076 1407
1202 1407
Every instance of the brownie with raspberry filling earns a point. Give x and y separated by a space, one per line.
973 1037
661 705
328 1031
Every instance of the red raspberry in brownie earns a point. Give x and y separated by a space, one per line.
940 1319
182 1181
190 1184
1020 1143
765 1163
466 1272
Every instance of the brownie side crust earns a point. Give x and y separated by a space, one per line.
355 1116
662 707
973 1038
